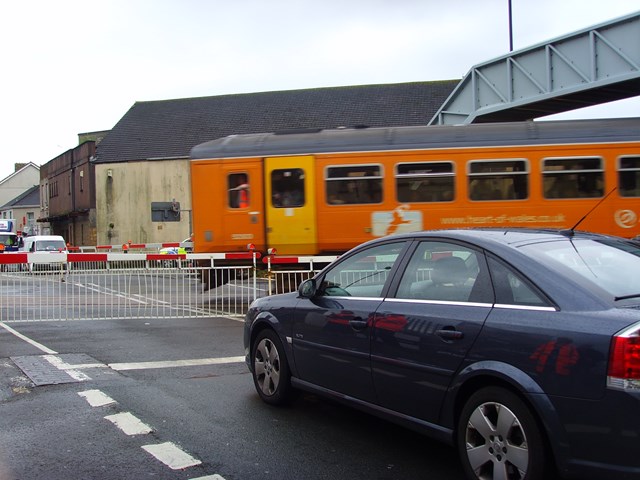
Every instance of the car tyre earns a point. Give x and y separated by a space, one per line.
271 374
499 438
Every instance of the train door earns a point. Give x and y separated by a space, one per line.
291 204
243 217
227 201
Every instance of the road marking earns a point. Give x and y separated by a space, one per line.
129 423
69 369
96 398
215 476
175 363
171 455
27 339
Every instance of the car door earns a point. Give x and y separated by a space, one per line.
332 331
423 331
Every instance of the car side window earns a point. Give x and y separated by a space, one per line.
443 271
363 274
512 289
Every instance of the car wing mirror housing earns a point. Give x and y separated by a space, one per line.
308 288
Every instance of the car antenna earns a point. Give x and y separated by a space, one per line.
570 231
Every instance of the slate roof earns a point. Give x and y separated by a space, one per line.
28 198
158 130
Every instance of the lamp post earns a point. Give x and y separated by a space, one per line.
510 29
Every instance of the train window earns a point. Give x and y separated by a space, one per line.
353 184
498 179
238 190
629 176
425 182
287 188
574 177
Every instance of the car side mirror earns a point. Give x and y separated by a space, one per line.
308 288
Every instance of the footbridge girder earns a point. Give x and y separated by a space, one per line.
589 67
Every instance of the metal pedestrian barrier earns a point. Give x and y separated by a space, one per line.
84 286
88 286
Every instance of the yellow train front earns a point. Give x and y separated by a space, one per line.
315 191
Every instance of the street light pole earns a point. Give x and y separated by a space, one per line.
510 29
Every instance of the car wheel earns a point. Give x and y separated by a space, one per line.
271 374
499 438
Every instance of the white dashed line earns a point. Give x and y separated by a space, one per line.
129 423
171 455
96 398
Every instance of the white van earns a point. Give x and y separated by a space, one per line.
44 243
43 246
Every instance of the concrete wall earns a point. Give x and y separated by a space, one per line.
124 193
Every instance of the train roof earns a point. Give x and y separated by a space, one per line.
301 142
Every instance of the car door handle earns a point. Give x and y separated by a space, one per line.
449 334
358 324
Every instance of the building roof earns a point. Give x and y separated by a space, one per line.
28 198
159 130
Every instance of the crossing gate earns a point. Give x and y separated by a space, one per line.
285 274
84 286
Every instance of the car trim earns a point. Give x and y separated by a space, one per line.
413 365
525 307
353 298
330 348
439 302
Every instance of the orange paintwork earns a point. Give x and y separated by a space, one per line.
340 227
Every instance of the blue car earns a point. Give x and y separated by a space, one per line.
521 348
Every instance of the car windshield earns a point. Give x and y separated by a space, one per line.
50 246
9 240
611 264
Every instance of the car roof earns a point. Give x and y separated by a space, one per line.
511 237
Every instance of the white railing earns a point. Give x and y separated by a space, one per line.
85 286
58 286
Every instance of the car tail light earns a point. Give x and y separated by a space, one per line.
624 360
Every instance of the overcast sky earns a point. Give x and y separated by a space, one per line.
69 66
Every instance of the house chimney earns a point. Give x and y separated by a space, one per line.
19 166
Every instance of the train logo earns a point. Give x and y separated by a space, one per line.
399 220
626 218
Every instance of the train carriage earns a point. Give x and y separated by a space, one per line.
325 191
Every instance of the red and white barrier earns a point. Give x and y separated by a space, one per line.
8 258
273 259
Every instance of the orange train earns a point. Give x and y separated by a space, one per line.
310 192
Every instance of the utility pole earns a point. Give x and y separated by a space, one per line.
510 29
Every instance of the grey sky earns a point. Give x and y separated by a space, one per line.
74 66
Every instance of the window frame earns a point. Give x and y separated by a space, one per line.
636 178
558 174
235 191
342 200
288 198
497 177
426 176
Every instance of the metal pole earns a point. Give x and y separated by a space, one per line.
510 29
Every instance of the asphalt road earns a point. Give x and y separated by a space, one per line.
196 410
